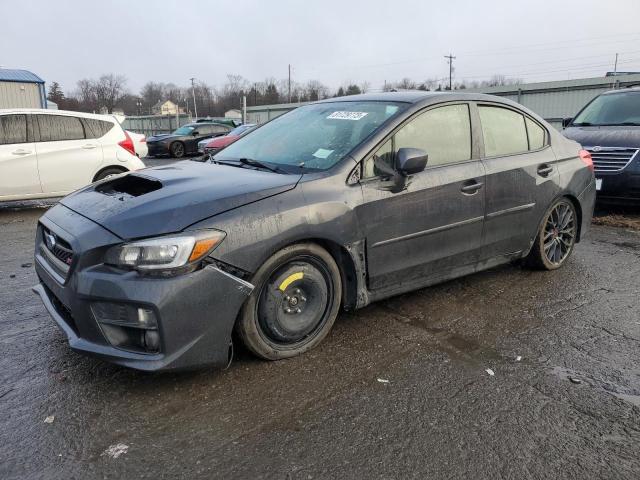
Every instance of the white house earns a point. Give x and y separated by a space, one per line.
235 114
166 107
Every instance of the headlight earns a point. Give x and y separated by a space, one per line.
166 254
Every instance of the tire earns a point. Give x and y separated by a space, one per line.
177 150
108 172
556 237
294 304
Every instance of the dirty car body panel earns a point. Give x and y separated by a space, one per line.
445 221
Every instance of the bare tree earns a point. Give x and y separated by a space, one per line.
109 90
406 84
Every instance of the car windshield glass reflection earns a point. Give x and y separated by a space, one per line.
315 136
183 131
611 109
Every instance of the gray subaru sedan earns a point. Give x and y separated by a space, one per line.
331 206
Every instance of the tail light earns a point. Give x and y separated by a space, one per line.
127 143
585 156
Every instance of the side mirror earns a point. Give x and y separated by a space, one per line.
195 133
566 122
411 160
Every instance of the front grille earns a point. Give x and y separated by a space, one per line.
611 159
59 247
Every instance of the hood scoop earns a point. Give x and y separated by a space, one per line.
129 186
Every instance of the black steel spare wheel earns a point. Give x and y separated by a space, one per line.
556 237
294 304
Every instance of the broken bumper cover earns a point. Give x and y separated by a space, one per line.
194 312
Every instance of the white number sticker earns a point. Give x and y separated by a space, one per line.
598 184
347 115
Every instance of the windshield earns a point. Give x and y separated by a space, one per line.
240 130
184 130
314 136
611 109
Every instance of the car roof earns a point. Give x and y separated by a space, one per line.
418 96
632 89
197 124
45 111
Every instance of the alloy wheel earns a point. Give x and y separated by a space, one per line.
559 233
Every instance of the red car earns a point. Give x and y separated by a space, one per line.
216 144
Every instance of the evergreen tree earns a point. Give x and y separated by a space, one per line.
55 94
353 90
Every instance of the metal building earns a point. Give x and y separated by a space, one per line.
21 89
553 101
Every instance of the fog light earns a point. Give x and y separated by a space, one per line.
151 340
127 326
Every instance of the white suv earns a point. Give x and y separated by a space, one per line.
50 153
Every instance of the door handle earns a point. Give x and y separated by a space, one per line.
471 188
544 170
20 151
89 146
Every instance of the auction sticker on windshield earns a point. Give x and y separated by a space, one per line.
347 115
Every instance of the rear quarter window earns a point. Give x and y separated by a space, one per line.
97 128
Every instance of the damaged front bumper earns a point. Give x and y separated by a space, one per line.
193 314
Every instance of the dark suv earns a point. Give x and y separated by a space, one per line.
609 128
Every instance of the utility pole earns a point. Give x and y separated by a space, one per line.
289 83
450 59
244 109
615 66
193 91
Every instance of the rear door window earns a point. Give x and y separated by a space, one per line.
503 130
13 129
54 128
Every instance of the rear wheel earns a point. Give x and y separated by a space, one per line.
294 304
556 237
108 172
177 150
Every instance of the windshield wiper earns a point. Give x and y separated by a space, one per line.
258 164
581 124
231 163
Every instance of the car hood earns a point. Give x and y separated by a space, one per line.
614 136
161 200
161 137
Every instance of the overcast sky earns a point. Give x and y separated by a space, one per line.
332 41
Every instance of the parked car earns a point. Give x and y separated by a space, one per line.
211 146
223 120
139 144
184 140
333 205
50 153
609 128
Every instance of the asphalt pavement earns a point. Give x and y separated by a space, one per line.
508 373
